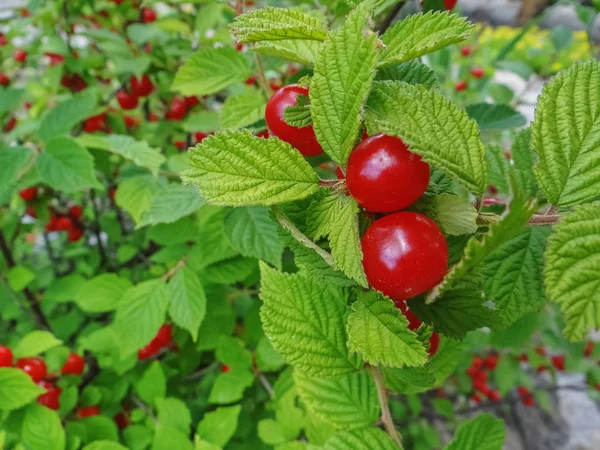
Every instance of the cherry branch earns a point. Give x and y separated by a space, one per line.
262 78
176 268
386 415
97 228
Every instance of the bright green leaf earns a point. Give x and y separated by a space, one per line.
187 307
35 343
485 432
16 389
218 426
42 429
243 110
102 293
60 120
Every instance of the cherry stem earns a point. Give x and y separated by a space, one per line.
176 268
386 415
329 183
262 79
540 220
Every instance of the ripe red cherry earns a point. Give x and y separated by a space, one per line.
191 101
413 321
6 356
477 72
434 343
523 391
491 362
148 351
3 40
180 144
450 4
76 212
73 82
51 399
558 361
55 58
466 50
200 136
4 80
130 121
405 254
164 336
95 123
384 176
148 15
28 194
225 368
74 365
74 233
127 100
263 134
90 411
589 349
62 223
122 420
34 367
494 396
142 87
178 109
301 138
528 401
460 86
20 55
476 397
540 351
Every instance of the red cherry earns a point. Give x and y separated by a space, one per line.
589 349
472 372
434 343
482 387
524 357
148 15
541 369
148 351
191 101
127 100
200 136
164 336
95 123
112 191
73 82
4 80
74 233
225 368
477 72
476 397
528 401
34 367
3 40
558 361
466 50
275 85
460 86
55 58
405 254
481 377
122 420
74 365
494 396
523 391
178 109
76 212
25 12
152 117
540 351
142 87
51 399
11 124
90 411
491 362
180 144
6 356
62 223
301 138
130 121
339 173
250 80
384 176
413 321
20 55
263 134
29 194
30 211
450 4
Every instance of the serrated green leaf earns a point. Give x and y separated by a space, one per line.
273 24
453 214
485 432
571 272
229 387
42 429
104 445
495 117
210 70
16 389
187 306
243 110
101 427
14 161
135 195
522 157
433 127
236 168
10 98
348 402
66 115
174 413
170 204
513 275
343 75
361 439
298 115
35 343
420 34
228 271
378 331
169 438
498 168
153 384
102 293
565 135
140 314
67 166
411 72
218 426
304 52
292 313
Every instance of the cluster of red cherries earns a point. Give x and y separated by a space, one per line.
478 372
405 253
164 338
69 222
477 72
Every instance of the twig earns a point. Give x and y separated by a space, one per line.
97 228
173 270
93 370
266 384
330 183
387 21
386 415
262 79
140 404
540 220
200 373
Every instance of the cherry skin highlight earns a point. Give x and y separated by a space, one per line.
6 356
405 254
384 176
34 367
301 138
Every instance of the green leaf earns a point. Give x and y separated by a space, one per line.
101 428
229 387
343 76
10 98
251 232
104 445
153 384
453 214
140 314
210 70
60 120
236 168
361 439
228 271
495 117
135 195
171 203
292 314
243 110
174 413
411 72
204 121
513 275
420 34
187 307
67 166
233 353
522 157
348 402
302 51
274 24
379 332
42 429
485 432
218 426
267 358
571 272
565 135
498 168
102 293
14 162
16 389
35 343
298 115
168 438
19 277
433 127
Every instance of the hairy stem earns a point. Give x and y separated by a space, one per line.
262 79
97 228
176 268
386 415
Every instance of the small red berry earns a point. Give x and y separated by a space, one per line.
3 40
523 391
477 72
494 396
30 211
130 121
34 367
301 138
6 356
250 80
148 351
200 136
178 109
383 175
524 357
191 101
122 420
405 254
76 212
51 399
11 124
413 321
434 343
127 100
491 362
339 173
62 223
29 194
528 401
75 233
152 117
95 123
20 55
180 144
476 397
481 376
541 369
148 15
460 86
450 4
4 80
540 351
74 365
558 361
112 191
73 82
589 349
225 368
90 411
55 58
164 336
466 50
275 85
142 87
263 134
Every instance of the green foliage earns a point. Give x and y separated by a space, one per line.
16 389
187 305
243 110
219 426
35 343
482 433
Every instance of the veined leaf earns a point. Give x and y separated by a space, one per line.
170 204
236 168
218 426
302 51
187 307
16 389
453 214
379 332
305 322
411 72
566 135
361 439
34 343
343 76
42 429
273 24
210 70
60 120
102 293
419 34
571 272
498 168
485 432
522 157
495 117
135 195
299 114
432 127
243 110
